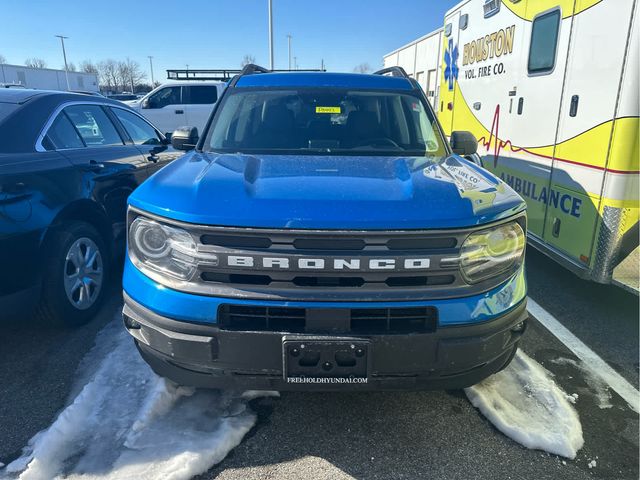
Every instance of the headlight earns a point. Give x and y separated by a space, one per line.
491 252
161 251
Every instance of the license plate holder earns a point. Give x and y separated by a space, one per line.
309 357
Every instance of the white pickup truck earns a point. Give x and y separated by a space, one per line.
174 105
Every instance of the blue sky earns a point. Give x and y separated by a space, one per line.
214 33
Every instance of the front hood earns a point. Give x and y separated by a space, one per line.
326 192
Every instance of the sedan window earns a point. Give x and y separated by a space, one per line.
140 131
93 125
62 135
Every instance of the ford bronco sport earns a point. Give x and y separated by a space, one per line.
323 234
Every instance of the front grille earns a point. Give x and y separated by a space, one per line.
293 282
325 281
237 317
326 265
359 321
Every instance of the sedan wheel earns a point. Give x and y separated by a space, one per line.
75 276
83 273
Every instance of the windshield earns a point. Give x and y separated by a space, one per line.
324 121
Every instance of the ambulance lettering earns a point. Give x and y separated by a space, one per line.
527 189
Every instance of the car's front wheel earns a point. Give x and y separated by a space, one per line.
75 275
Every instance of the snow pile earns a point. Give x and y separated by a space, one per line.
524 403
128 423
598 387
572 397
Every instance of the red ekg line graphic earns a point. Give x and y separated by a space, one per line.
503 144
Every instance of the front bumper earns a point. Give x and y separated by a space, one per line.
203 355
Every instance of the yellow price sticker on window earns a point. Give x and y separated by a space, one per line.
328 110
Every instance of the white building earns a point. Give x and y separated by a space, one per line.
421 60
47 78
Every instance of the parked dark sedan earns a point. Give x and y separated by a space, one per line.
68 162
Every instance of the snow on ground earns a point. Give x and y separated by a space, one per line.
524 403
125 422
597 386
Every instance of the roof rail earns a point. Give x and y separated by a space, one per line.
394 71
251 69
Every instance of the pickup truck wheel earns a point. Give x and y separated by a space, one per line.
75 275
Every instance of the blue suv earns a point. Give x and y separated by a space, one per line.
322 234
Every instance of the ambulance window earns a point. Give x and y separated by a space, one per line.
544 43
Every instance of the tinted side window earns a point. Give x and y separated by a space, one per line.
166 96
544 42
61 134
201 94
94 126
140 131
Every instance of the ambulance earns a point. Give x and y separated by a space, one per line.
550 90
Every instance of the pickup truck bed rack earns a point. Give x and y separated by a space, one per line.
223 74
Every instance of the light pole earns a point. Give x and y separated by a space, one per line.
270 36
295 63
64 55
289 42
151 68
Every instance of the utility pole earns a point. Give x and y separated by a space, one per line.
322 64
151 67
270 35
64 55
289 42
295 63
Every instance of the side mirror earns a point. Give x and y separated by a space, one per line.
145 103
463 143
184 138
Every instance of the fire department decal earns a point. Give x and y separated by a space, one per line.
493 45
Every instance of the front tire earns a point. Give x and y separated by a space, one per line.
75 275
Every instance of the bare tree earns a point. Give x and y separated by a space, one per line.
122 78
108 74
2 59
136 73
35 63
71 67
247 59
362 68
116 75
87 66
129 74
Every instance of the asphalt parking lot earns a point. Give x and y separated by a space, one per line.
381 435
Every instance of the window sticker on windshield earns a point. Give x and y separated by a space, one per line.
328 110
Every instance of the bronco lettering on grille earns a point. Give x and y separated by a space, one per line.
327 264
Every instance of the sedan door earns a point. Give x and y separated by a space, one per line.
111 169
153 146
